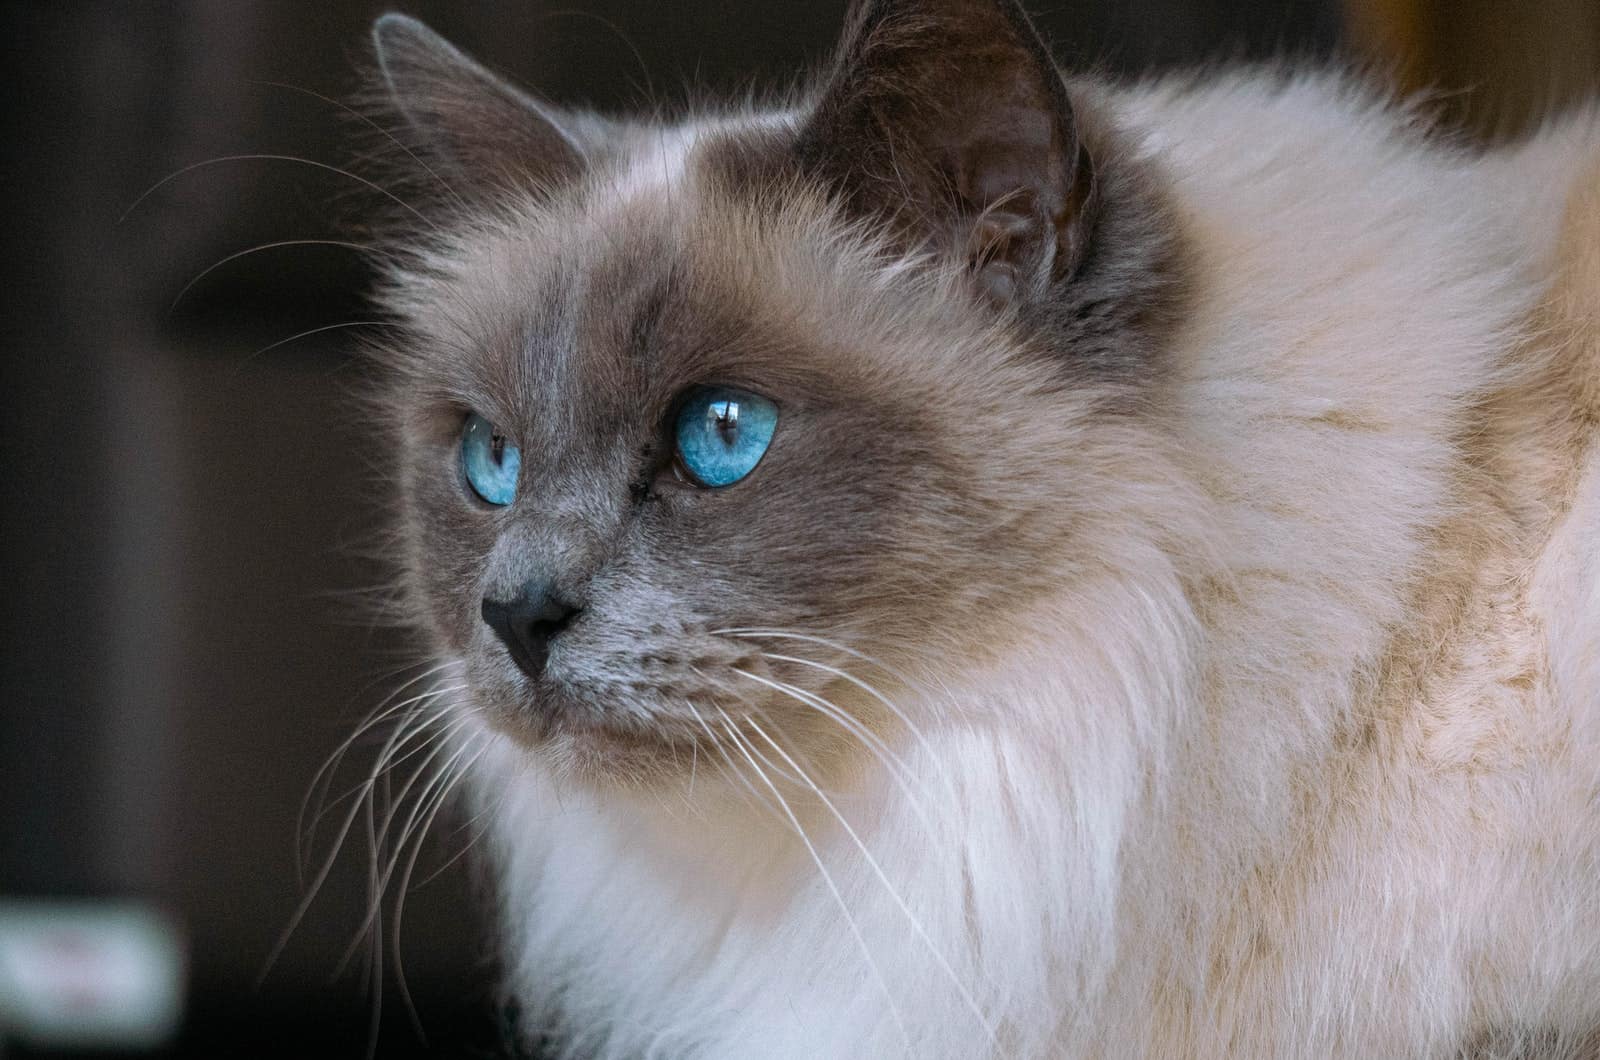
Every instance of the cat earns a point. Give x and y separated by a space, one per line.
967 560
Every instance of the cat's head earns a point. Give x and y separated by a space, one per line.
723 432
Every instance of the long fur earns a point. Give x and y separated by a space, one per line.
1296 754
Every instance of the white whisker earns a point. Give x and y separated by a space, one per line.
911 727
275 158
448 187
384 866
208 270
377 958
485 815
731 772
872 862
338 844
330 766
827 877
317 331
757 632
896 767
409 729
439 802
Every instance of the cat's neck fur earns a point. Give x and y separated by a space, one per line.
1240 772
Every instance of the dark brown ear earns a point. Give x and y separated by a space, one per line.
466 120
950 117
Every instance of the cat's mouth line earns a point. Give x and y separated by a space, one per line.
716 745
609 718
669 732
604 716
709 732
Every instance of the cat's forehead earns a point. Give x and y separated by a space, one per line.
651 200
684 253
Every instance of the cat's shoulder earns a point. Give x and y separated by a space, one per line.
1556 173
1578 256
1251 112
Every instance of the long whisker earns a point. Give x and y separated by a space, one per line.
322 874
412 723
438 785
440 737
170 177
730 772
757 632
384 866
832 645
912 727
644 68
405 881
827 877
754 712
208 270
872 862
485 815
330 766
356 114
311 893
898 771
697 672
832 711
317 331
409 730
375 1021
418 733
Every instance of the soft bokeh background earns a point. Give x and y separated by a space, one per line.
189 491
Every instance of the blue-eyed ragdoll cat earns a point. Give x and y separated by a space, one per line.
966 561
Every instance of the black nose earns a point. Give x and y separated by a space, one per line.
527 624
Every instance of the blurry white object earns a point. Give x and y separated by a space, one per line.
89 974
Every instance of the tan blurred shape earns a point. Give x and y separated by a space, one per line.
1497 66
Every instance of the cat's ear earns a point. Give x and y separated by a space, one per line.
467 120
950 118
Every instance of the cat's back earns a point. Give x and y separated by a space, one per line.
1566 581
1504 724
1382 322
1392 370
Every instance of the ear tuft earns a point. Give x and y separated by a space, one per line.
467 119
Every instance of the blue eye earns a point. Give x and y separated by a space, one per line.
723 433
489 461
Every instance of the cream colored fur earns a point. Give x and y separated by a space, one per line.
1308 767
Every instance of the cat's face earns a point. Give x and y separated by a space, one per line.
575 351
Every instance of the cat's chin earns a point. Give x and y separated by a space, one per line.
577 745
600 756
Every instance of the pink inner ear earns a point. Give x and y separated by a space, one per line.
1003 245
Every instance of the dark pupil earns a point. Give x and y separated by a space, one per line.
497 448
727 420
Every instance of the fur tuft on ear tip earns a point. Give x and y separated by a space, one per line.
401 44
407 49
393 28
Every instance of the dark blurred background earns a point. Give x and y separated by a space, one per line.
188 490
